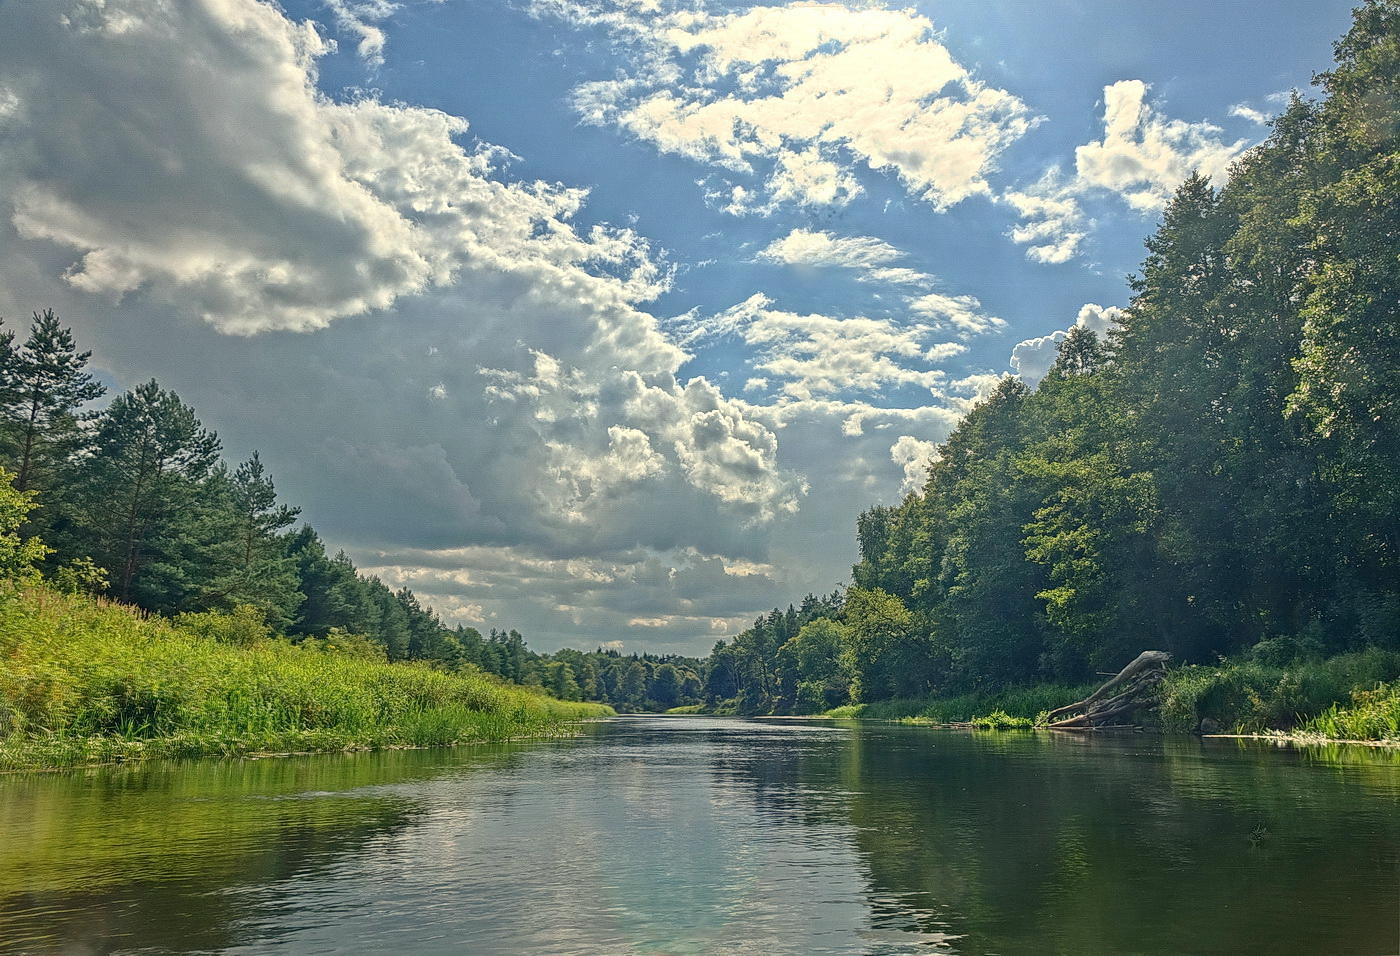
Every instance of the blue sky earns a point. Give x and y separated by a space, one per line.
604 318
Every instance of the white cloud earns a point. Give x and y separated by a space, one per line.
868 256
913 456
663 430
1142 158
1245 111
794 98
963 313
1032 358
815 356
359 18
292 210
805 247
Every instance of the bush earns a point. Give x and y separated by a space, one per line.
1247 696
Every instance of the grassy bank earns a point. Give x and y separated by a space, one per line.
1254 695
1018 702
85 681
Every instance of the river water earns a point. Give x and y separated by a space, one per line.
701 835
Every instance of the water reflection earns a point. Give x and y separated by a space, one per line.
717 836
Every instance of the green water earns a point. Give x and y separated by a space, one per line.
717 836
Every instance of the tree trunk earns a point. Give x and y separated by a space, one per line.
1133 689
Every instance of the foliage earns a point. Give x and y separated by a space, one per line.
1001 720
1248 696
88 680
19 556
1370 715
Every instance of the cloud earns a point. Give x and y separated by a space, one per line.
287 212
793 99
1245 111
1054 225
813 356
809 248
914 457
1032 358
870 257
1142 158
358 18
963 313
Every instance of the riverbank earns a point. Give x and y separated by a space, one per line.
1348 698
87 681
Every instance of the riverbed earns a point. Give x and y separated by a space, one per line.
711 835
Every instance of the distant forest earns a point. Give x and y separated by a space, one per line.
1218 475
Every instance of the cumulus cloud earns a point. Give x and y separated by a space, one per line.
289 211
1142 157
792 99
511 409
914 457
1032 358
814 356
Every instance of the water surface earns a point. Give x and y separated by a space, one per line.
697 835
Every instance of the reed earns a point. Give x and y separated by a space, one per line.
84 680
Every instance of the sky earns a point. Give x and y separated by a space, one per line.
603 319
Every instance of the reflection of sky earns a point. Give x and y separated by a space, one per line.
657 836
632 845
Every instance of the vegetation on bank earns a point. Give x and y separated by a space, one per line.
1022 703
86 680
1214 473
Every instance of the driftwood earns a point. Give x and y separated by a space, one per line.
1129 691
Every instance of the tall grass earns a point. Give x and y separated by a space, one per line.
84 680
1250 696
1016 702
1371 715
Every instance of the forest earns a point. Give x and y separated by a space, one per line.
1218 476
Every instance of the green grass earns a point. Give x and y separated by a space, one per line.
1001 720
1019 703
1370 715
687 709
87 681
1249 696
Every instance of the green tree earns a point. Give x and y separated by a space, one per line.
144 512
45 384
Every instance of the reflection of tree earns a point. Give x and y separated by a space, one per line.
1022 843
160 851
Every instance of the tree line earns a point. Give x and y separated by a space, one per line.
1217 475
135 501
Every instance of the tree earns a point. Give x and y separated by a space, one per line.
631 692
145 515
259 571
19 556
666 685
45 383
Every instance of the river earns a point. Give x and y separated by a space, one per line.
706 835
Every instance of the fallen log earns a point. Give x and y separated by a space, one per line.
1133 689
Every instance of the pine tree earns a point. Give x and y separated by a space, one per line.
144 498
45 384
